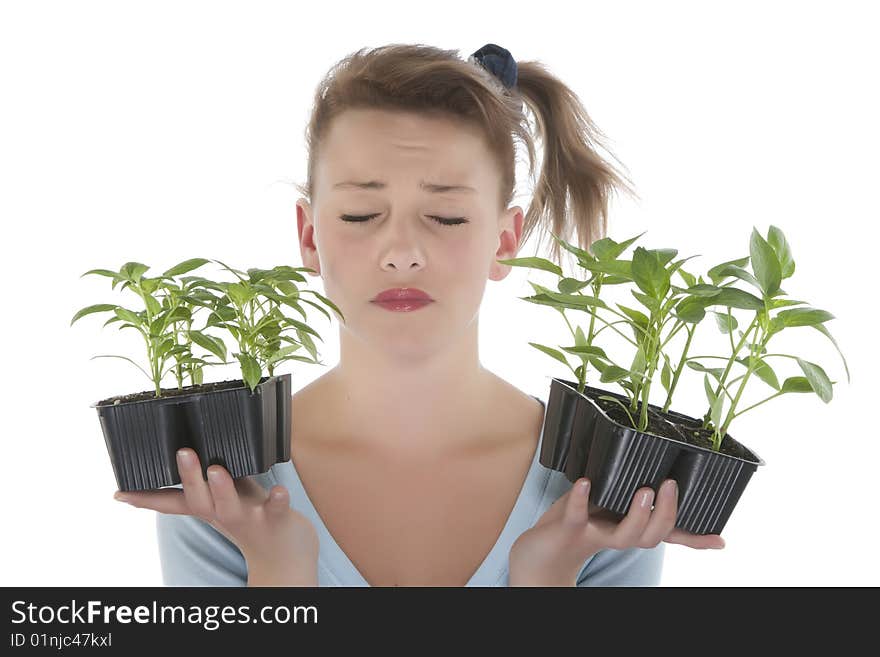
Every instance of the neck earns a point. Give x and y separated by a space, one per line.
421 401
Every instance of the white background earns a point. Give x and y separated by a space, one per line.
162 131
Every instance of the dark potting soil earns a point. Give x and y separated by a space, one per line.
703 438
174 392
655 426
692 434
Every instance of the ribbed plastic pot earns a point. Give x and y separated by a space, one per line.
581 440
245 432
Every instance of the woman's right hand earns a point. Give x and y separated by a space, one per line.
279 544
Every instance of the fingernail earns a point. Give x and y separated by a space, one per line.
585 486
214 475
646 498
183 456
670 485
120 497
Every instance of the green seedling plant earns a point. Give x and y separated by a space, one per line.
651 272
770 262
165 322
250 310
568 296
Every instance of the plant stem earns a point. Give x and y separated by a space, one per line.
678 370
739 392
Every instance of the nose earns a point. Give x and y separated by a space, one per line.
402 252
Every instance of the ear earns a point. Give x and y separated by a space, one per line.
306 228
510 226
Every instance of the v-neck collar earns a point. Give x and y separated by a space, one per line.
337 565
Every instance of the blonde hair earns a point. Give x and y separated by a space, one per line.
575 184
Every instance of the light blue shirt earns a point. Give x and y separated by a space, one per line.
193 553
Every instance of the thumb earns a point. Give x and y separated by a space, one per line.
278 501
577 505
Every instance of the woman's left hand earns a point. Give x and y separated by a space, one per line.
553 552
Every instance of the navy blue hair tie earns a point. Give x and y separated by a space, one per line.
498 61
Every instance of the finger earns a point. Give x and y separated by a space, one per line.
227 505
278 501
195 488
628 532
700 542
163 501
576 512
557 509
663 518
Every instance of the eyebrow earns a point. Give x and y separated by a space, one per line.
434 188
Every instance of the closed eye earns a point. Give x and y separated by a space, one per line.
446 221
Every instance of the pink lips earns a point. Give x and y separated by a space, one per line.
402 299
403 294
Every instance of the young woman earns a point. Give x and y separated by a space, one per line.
412 464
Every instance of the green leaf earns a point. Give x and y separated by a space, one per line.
732 297
571 285
128 316
726 323
326 302
649 302
610 279
311 303
573 301
765 264
649 273
124 358
133 271
804 316
583 350
796 384
717 273
703 290
777 240
239 293
533 263
250 370
621 268
761 369
281 353
97 308
104 272
818 379
551 352
154 306
710 393
638 318
287 321
666 375
738 272
691 310
717 409
639 360
613 373
571 248
185 266
717 372
821 328
215 345
607 249
688 279
238 274
779 303
179 314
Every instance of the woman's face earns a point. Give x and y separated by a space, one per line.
403 243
